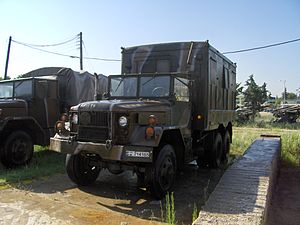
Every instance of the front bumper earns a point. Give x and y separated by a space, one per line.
105 151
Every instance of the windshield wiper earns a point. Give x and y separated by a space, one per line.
146 82
119 84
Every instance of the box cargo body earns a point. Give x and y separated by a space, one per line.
213 76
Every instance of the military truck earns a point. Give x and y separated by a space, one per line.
173 103
30 107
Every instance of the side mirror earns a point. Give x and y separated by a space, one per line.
105 95
99 96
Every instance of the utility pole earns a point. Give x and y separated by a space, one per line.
7 58
81 66
284 89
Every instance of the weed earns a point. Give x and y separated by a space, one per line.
169 215
195 213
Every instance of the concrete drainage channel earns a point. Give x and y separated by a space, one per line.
243 194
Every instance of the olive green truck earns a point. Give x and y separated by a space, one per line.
172 104
30 107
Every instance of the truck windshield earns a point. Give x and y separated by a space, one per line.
155 86
16 89
140 86
6 90
123 86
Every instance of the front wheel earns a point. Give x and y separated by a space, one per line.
18 150
162 173
80 170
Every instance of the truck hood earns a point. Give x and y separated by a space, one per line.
13 108
12 103
123 105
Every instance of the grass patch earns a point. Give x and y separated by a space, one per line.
266 120
44 163
258 123
290 141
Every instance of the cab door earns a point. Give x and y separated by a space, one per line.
46 93
181 110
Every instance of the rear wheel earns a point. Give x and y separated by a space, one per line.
201 161
226 148
80 170
161 175
18 150
215 160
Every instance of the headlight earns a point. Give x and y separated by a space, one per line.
64 117
123 121
75 118
60 127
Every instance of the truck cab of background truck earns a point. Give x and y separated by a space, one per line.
163 111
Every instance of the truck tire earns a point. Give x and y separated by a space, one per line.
162 173
215 160
204 157
18 150
226 148
79 170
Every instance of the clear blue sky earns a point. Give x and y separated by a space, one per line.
108 25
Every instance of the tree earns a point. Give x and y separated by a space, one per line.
290 95
255 95
7 78
21 76
239 89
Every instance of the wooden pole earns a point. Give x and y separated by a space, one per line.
81 64
7 58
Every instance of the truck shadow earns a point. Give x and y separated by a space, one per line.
121 193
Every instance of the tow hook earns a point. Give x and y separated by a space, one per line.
108 145
71 139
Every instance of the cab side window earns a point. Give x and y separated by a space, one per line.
23 89
181 89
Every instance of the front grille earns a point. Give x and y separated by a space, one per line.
95 134
99 118
93 126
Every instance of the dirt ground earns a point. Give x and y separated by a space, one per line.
117 199
113 199
285 204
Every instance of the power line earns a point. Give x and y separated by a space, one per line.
49 45
65 55
103 59
118 60
42 50
261 47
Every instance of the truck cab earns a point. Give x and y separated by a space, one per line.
28 110
30 107
168 107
